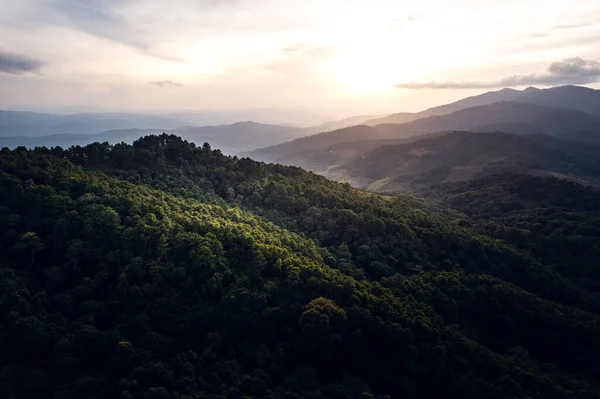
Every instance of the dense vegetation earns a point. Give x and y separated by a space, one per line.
166 270
557 221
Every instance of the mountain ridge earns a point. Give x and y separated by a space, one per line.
487 98
578 98
511 117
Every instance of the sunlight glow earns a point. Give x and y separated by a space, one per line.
369 68
373 64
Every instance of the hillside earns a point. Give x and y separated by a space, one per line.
557 220
460 156
314 152
163 270
343 123
570 97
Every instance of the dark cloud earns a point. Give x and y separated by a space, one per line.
17 63
569 71
166 83
575 67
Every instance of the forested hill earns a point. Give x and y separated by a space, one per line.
165 270
461 156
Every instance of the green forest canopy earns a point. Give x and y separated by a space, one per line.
165 270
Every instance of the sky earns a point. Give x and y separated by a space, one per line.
333 57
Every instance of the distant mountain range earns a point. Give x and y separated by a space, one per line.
462 156
33 129
241 136
551 132
31 124
474 101
231 139
67 140
510 117
568 112
267 116
342 123
320 151
569 97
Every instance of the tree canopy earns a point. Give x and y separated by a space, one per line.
166 270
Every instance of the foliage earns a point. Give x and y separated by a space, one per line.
166 270
557 221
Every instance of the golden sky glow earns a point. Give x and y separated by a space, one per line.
342 57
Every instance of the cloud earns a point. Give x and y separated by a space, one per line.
569 71
166 83
99 18
18 64
573 26
575 67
